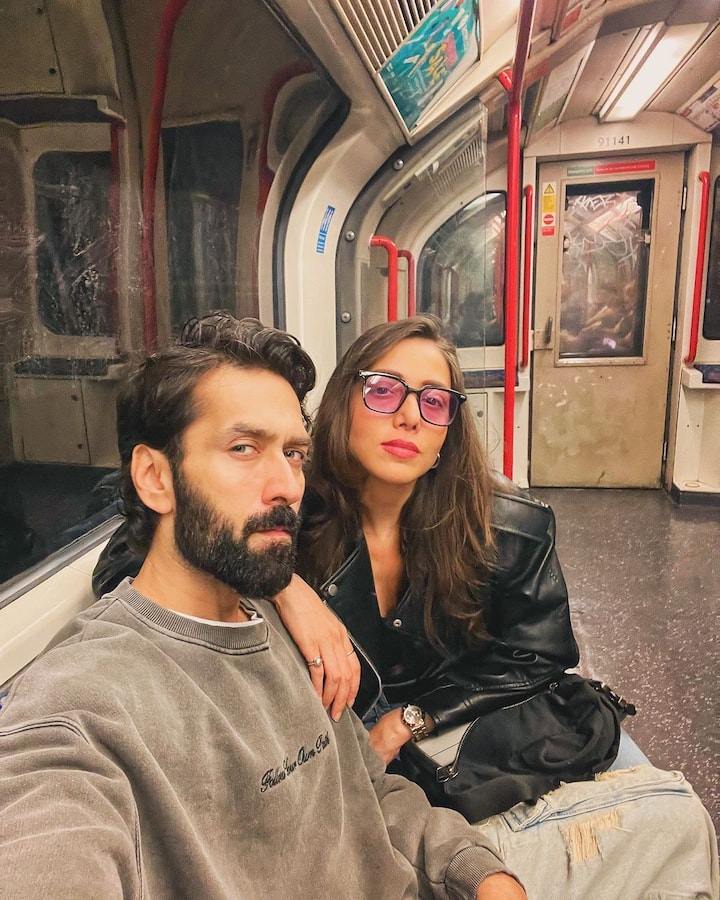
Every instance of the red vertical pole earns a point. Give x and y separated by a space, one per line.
411 304
704 177
116 129
513 83
527 260
377 240
170 16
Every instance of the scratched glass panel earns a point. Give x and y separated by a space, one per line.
604 272
74 242
461 273
57 302
711 319
203 173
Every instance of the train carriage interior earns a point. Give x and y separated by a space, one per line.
543 175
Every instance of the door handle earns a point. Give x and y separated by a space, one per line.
547 333
542 339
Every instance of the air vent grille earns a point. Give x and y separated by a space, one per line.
473 154
379 27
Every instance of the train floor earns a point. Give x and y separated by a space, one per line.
644 581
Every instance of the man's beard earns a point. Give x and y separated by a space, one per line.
207 542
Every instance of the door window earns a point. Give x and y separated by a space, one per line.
604 270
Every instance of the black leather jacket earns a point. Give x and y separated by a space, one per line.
526 613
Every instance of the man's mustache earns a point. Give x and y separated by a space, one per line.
279 517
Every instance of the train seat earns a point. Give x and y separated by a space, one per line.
710 372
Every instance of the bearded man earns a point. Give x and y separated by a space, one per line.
170 743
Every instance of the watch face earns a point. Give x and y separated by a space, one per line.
414 718
413 715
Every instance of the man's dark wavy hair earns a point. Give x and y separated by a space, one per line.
156 404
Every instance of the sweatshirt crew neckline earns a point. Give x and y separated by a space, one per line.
254 636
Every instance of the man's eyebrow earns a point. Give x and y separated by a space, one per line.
264 434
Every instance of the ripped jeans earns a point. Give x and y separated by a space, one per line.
632 834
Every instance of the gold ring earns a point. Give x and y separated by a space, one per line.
317 662
350 651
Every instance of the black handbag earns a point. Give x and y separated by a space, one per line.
569 731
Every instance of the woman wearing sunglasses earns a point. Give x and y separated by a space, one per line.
444 573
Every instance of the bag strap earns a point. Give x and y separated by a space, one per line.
624 707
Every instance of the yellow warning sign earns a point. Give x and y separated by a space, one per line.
549 197
548 215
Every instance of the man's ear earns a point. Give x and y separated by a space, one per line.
152 477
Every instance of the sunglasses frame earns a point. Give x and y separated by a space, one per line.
460 397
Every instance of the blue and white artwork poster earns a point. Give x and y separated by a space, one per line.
443 46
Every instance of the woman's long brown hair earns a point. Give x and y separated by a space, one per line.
445 534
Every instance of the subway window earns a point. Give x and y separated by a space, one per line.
711 319
58 351
461 273
203 173
73 250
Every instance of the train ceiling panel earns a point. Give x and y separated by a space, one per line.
56 47
664 52
568 73
697 73
62 49
22 72
216 53
379 29
560 85
218 49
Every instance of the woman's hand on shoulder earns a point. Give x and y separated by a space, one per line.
319 633
389 735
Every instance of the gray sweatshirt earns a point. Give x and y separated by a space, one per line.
151 755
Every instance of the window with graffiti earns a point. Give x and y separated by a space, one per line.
604 269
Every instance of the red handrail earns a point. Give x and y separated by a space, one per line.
377 240
513 84
170 16
527 265
116 128
704 177
411 305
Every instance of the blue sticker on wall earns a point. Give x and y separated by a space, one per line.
324 228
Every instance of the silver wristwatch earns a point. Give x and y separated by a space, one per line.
414 718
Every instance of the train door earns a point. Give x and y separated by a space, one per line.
605 284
